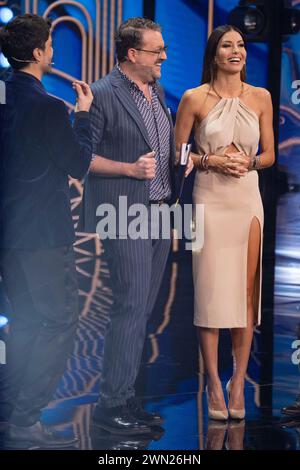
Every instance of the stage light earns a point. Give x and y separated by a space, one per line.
6 14
253 19
3 321
3 61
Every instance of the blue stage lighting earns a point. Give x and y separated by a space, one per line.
3 61
6 14
3 321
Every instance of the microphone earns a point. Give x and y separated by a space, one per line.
147 65
30 61
24 60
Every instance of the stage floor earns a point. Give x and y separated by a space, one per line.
171 379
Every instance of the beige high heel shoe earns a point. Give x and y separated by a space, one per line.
234 414
220 415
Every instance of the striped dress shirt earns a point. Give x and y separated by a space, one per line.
158 128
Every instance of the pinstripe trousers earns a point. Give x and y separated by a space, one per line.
136 270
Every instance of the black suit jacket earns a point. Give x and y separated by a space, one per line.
120 134
39 149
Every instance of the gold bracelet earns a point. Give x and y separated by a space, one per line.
203 163
255 163
199 162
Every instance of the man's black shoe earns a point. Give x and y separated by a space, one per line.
119 420
136 408
35 436
292 410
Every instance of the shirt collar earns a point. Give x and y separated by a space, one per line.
25 77
132 83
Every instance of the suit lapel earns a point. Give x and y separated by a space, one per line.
123 94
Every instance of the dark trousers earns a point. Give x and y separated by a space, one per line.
42 288
136 270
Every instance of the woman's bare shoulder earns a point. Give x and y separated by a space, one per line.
257 92
195 97
258 98
197 93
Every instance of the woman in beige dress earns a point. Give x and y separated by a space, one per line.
230 118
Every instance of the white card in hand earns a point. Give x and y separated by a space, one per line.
184 153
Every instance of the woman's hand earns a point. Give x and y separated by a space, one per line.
241 159
231 164
189 167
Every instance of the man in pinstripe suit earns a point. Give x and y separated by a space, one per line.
134 155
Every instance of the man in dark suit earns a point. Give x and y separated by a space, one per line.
134 157
39 149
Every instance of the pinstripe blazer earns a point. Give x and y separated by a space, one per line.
119 133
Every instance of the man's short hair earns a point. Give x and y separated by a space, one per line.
130 34
21 36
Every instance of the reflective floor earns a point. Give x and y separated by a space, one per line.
171 379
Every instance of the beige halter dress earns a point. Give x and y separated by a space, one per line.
230 204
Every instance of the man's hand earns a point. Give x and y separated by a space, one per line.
144 168
84 96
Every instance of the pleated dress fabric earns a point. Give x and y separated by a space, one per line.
230 204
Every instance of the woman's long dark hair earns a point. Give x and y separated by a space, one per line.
210 68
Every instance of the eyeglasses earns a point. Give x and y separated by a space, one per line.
158 53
